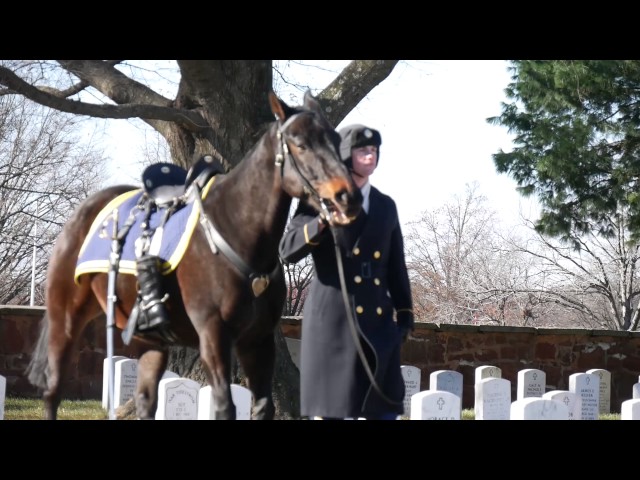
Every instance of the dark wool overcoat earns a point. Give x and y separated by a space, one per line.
334 382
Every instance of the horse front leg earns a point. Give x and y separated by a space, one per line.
215 355
258 362
151 366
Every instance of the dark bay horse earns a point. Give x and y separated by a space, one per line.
212 304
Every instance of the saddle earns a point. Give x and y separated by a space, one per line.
167 188
166 183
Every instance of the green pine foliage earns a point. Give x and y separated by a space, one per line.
576 127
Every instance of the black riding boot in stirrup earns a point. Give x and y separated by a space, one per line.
153 312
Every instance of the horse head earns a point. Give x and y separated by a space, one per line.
311 168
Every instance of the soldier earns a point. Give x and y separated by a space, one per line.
334 381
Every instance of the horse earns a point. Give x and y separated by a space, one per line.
211 302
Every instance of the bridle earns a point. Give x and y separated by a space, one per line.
283 154
259 280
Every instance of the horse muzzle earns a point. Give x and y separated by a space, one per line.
342 208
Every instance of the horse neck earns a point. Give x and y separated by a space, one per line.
249 207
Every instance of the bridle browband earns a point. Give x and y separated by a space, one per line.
259 281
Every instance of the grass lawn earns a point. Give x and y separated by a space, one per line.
31 409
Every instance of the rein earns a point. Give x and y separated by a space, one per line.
259 281
352 323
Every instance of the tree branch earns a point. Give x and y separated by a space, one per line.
362 76
190 120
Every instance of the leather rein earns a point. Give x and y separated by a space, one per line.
259 281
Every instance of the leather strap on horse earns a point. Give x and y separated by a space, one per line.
259 282
352 322
283 154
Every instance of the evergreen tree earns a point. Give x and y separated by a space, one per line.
576 126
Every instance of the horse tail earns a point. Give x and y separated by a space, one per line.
38 369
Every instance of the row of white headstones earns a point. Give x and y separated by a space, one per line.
588 395
178 398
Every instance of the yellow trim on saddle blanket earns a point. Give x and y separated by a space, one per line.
129 266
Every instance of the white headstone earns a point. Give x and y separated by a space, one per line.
535 408
105 379
605 389
126 379
446 380
531 383
435 405
487 371
412 377
177 399
635 390
3 395
492 399
587 387
570 399
630 410
241 396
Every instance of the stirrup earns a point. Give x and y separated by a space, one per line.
148 322
139 324
152 303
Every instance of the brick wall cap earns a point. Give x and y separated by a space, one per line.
613 333
21 310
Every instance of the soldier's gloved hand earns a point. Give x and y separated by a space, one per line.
405 322
404 333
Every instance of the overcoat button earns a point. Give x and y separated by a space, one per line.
376 254
356 251
359 309
357 279
379 310
376 281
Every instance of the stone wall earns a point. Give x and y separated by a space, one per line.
19 331
558 352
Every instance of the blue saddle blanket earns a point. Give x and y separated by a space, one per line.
96 249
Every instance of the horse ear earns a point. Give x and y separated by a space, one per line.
280 109
311 102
